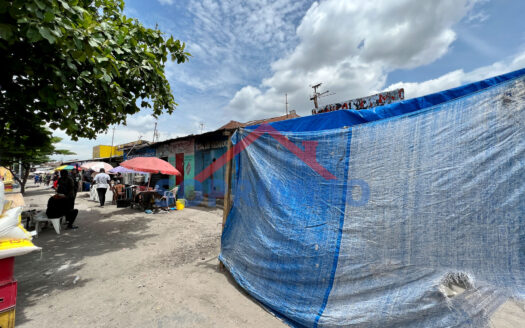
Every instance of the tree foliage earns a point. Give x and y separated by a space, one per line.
79 66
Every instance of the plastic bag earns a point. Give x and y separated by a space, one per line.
14 239
11 227
9 248
2 197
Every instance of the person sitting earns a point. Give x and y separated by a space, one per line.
57 206
119 191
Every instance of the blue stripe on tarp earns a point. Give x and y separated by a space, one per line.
339 234
342 118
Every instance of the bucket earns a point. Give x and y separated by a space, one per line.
179 204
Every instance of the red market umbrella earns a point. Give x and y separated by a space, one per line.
150 165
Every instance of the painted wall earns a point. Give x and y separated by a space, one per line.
197 156
176 147
214 185
171 160
189 175
173 149
103 151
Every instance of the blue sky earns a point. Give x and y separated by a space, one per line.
248 54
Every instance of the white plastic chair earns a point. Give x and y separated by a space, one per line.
170 194
41 217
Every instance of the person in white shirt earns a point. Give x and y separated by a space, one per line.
102 181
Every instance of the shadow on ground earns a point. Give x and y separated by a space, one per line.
211 264
55 268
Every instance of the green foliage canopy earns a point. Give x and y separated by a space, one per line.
79 66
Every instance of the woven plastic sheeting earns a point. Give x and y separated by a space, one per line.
419 223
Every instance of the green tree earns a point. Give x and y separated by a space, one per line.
34 147
79 66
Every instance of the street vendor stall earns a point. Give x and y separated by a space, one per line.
95 168
146 197
123 190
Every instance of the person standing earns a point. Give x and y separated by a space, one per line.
55 180
76 179
102 181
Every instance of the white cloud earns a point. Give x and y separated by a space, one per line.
459 77
141 121
247 56
351 46
477 16
233 42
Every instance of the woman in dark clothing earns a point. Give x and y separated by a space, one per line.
66 187
64 205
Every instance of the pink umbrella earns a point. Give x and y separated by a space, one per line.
96 166
150 165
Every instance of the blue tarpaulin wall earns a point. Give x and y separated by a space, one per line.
424 198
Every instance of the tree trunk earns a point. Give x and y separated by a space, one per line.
17 179
27 168
22 182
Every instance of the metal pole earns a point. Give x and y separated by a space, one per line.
154 131
112 138
286 101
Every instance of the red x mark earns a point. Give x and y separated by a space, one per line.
308 155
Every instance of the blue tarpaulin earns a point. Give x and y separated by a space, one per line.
406 215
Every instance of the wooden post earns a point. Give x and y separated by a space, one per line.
227 188
227 185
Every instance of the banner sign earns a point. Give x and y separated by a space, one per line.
380 99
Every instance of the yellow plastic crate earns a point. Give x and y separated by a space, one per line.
7 319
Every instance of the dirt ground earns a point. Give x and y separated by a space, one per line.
125 268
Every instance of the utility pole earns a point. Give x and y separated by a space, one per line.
315 97
154 132
112 138
202 126
286 103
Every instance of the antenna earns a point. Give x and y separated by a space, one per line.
315 97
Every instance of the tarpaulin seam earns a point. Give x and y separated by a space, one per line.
339 233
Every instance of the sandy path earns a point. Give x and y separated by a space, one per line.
124 268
